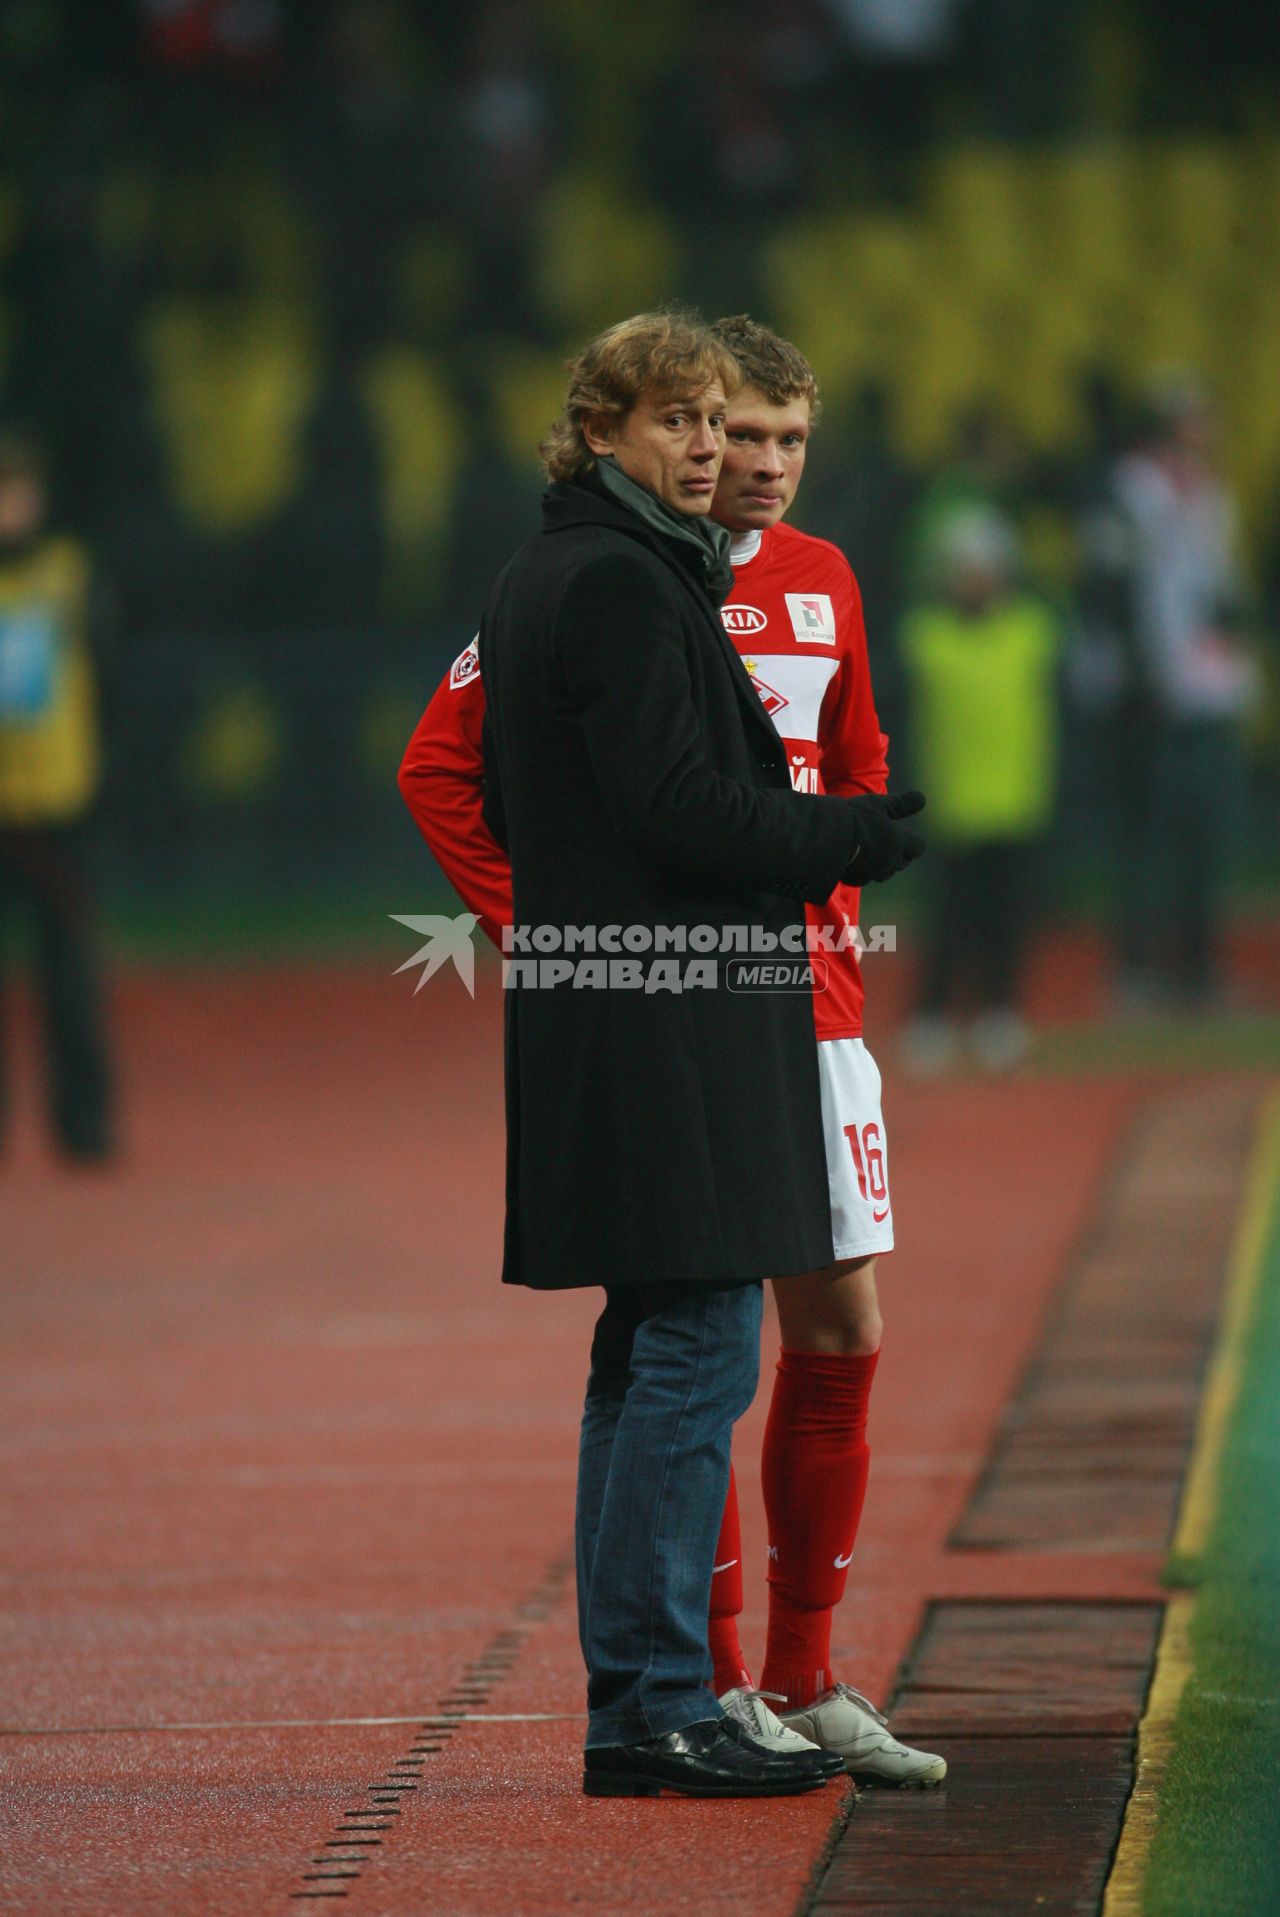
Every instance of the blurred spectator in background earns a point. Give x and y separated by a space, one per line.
1075 474
370 151
981 659
204 63
988 468
730 112
50 769
507 117
244 35
1164 614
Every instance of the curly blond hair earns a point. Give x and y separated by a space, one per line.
669 353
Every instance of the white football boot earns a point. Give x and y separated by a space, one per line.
844 1721
751 1709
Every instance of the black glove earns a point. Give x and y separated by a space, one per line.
884 847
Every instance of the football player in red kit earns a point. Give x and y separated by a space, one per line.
795 616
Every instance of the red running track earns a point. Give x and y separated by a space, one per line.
280 1454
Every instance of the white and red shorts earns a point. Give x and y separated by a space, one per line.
857 1155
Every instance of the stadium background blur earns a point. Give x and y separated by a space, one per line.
286 291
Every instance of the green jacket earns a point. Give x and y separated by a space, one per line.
985 716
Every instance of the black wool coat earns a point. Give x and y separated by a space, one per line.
636 781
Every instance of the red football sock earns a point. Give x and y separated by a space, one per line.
726 1601
814 1470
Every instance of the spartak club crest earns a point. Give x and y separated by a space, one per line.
773 702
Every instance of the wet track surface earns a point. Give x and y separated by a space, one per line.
288 1476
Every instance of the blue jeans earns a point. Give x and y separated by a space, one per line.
672 1368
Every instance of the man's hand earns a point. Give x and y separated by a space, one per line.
884 846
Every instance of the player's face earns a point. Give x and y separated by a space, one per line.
671 445
763 459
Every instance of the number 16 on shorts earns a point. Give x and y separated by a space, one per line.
868 1161
857 1157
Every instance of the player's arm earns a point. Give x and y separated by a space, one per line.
853 751
442 783
621 653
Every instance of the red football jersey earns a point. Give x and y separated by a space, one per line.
795 616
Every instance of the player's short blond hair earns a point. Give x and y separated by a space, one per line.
770 363
670 353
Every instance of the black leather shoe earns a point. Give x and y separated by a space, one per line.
826 1763
702 1760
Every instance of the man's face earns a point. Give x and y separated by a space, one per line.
764 454
22 508
973 587
672 445
1195 432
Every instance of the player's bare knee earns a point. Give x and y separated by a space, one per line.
836 1340
860 1334
834 1312
866 1338
862 1326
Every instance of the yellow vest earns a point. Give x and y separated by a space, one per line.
49 744
985 718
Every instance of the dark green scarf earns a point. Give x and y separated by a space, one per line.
710 540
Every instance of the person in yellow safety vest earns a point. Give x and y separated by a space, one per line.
982 665
50 772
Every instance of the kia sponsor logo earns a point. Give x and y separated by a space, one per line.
740 620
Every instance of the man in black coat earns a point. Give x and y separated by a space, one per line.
664 1132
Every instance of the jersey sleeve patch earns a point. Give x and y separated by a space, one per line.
465 666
